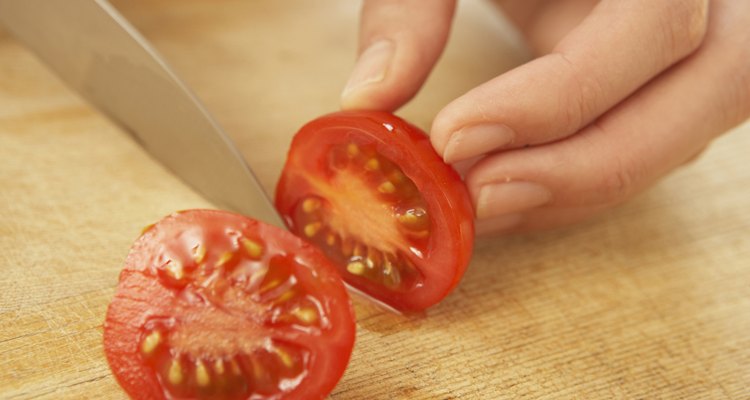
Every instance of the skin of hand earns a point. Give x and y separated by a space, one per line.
621 93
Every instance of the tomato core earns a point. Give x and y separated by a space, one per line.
366 199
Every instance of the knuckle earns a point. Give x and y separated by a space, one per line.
581 101
619 180
742 89
618 184
735 107
686 26
729 45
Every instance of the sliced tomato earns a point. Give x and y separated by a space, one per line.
369 189
216 305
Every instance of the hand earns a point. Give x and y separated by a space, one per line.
623 93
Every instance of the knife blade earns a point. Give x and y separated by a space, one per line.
101 56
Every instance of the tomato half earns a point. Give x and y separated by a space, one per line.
216 305
369 189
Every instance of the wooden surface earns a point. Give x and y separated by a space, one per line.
649 301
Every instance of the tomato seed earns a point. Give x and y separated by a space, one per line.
235 367
175 376
310 205
312 229
352 150
415 219
256 276
372 164
270 285
253 248
285 358
387 187
306 315
356 268
258 371
201 374
174 269
199 253
331 239
224 258
151 342
396 176
284 297
219 366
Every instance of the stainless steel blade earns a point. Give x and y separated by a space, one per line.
100 55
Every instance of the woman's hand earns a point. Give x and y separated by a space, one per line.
623 93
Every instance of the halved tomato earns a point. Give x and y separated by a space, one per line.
369 189
216 305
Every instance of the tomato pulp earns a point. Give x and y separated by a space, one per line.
369 190
216 305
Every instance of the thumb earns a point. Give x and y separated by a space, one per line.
399 43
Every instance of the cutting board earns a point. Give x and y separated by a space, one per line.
651 300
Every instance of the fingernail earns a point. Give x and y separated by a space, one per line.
496 199
474 140
371 66
497 225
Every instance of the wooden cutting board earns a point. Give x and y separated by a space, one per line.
651 300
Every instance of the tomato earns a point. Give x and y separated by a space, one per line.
369 189
212 304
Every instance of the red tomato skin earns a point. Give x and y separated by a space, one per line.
450 207
140 296
124 319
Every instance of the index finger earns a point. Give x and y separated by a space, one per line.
400 41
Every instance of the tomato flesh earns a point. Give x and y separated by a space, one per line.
337 227
215 305
368 189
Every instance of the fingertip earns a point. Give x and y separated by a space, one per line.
400 42
386 76
362 90
441 129
475 140
462 129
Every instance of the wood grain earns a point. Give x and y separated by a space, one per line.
651 300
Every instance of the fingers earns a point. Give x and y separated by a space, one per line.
619 47
657 129
400 41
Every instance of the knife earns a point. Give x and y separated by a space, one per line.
100 55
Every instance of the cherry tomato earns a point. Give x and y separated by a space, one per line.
369 189
216 305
